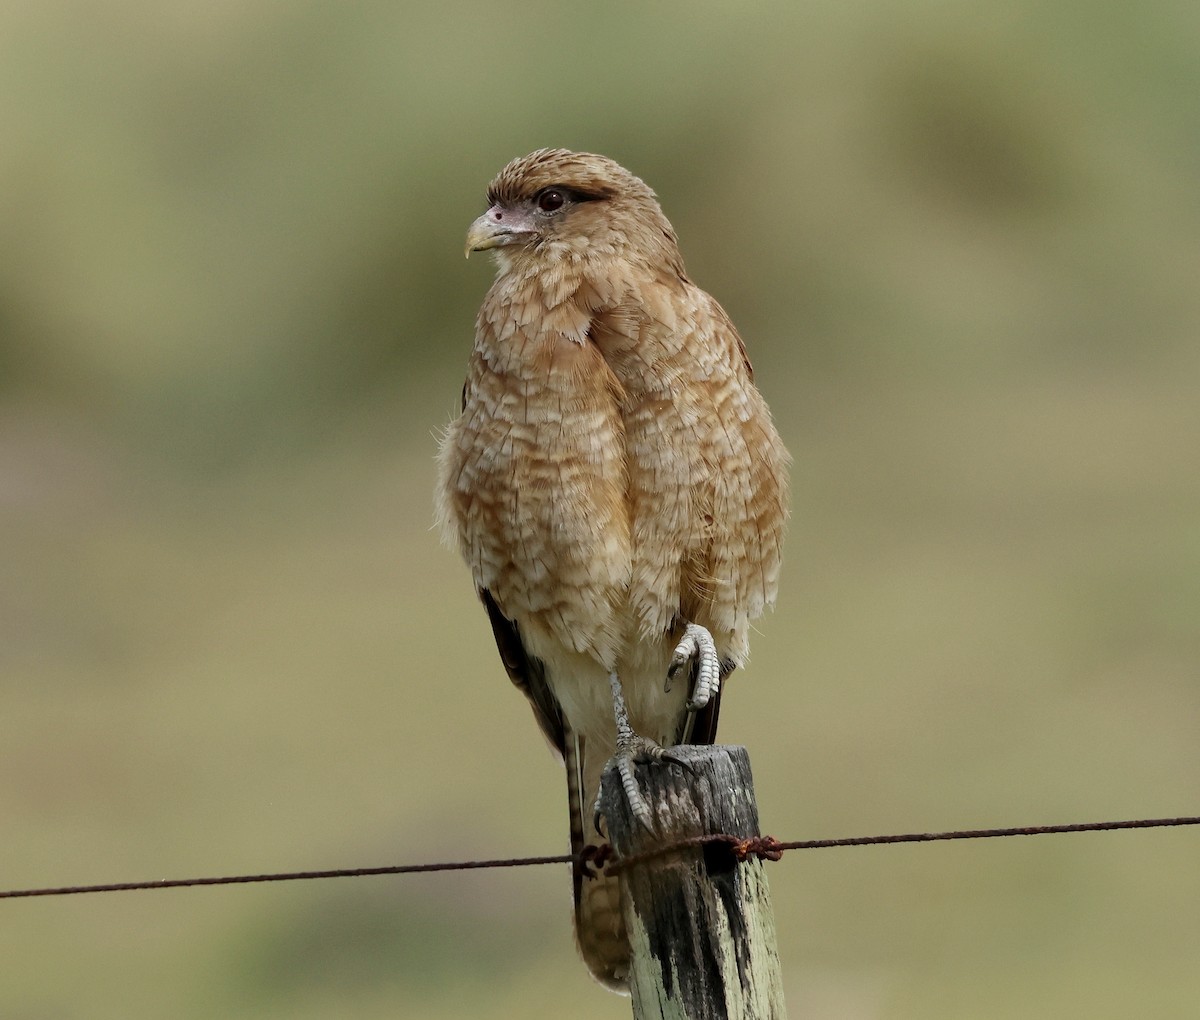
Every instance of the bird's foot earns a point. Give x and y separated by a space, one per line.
631 749
697 644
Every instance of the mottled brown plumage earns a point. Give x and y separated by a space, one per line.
614 476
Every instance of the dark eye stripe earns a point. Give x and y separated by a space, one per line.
497 196
569 194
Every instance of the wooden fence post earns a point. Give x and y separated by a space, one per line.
699 921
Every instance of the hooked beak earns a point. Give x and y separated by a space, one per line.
496 228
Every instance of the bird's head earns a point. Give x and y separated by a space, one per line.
556 204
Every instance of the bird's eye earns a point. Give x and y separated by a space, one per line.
550 200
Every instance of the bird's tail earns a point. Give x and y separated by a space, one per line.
599 928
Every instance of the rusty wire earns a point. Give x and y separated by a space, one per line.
762 847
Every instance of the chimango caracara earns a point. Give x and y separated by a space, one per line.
614 483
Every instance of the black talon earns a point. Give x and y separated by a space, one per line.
683 763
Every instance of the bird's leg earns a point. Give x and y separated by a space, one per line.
631 748
697 643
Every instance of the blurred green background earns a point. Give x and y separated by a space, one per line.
963 245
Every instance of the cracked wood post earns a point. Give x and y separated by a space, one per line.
699 921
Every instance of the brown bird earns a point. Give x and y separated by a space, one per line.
614 483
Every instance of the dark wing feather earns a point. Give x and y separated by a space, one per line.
526 671
701 727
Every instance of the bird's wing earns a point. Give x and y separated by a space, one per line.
527 672
701 727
